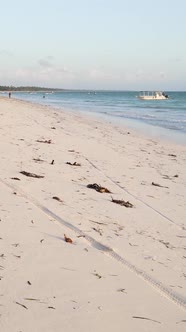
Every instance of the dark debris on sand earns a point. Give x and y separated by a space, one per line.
98 188
47 141
73 164
32 175
57 199
122 203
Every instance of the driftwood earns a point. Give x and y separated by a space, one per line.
98 188
32 175
52 162
73 164
123 203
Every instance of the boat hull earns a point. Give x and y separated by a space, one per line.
152 97
157 95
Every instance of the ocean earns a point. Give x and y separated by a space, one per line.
165 118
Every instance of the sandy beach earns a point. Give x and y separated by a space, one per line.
119 268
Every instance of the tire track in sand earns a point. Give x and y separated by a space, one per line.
177 298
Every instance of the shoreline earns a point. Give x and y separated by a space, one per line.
147 131
123 262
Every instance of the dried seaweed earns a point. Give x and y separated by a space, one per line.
49 141
98 188
15 179
73 164
123 203
32 175
68 239
52 162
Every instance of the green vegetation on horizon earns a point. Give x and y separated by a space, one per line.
26 88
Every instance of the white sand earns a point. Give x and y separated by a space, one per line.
129 262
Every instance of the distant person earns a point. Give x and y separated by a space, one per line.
9 95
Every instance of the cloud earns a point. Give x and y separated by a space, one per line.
48 67
45 62
178 59
139 73
100 74
44 73
162 75
50 57
6 53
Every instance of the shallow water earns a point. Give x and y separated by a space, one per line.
165 117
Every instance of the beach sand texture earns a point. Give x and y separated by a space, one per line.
125 269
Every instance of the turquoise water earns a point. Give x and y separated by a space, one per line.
157 115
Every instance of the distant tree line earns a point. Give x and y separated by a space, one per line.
26 88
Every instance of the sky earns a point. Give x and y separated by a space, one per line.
94 44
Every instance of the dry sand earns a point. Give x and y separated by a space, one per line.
126 267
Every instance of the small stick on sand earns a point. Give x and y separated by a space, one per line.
22 305
138 317
158 185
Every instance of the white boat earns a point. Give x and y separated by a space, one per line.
152 95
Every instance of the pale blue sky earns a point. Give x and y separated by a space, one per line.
94 44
